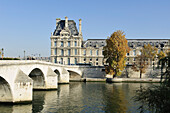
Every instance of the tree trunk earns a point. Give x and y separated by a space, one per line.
161 72
115 73
126 73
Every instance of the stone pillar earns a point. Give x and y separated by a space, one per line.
66 22
64 76
22 88
52 79
80 33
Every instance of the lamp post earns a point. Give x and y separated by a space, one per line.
39 57
2 53
24 54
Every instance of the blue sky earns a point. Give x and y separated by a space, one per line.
27 24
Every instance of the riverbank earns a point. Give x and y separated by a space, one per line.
133 80
119 80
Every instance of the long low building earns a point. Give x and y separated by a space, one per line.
68 47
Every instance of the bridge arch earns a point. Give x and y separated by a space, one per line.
38 78
74 76
58 73
5 91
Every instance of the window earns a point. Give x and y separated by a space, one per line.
55 60
96 59
159 51
68 43
90 52
68 52
75 60
61 60
55 43
127 59
75 43
134 59
127 54
68 61
62 52
55 52
96 63
84 53
90 59
75 51
134 52
97 52
84 59
62 44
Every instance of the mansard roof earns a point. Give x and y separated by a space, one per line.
61 25
131 42
95 43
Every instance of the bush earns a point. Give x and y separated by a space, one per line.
9 59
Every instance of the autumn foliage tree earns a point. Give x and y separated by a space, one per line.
150 52
161 55
143 60
141 64
115 53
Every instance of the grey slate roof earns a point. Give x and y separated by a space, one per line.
61 24
95 43
131 42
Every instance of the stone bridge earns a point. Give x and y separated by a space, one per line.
19 77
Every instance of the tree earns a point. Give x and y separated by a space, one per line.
148 52
161 55
141 64
156 97
115 53
164 62
161 62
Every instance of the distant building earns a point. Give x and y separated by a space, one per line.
68 47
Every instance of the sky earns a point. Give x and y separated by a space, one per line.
26 25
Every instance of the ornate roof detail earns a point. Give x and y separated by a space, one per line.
72 29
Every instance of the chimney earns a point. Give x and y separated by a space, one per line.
80 33
66 22
57 20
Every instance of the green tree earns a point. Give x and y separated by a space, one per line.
148 53
115 53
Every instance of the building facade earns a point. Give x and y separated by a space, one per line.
68 47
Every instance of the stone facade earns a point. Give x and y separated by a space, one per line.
137 44
68 47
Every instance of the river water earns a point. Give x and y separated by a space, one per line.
90 97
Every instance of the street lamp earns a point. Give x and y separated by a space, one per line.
39 57
24 54
2 53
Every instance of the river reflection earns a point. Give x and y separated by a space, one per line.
82 97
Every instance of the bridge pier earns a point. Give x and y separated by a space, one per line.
18 90
22 89
64 77
51 79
